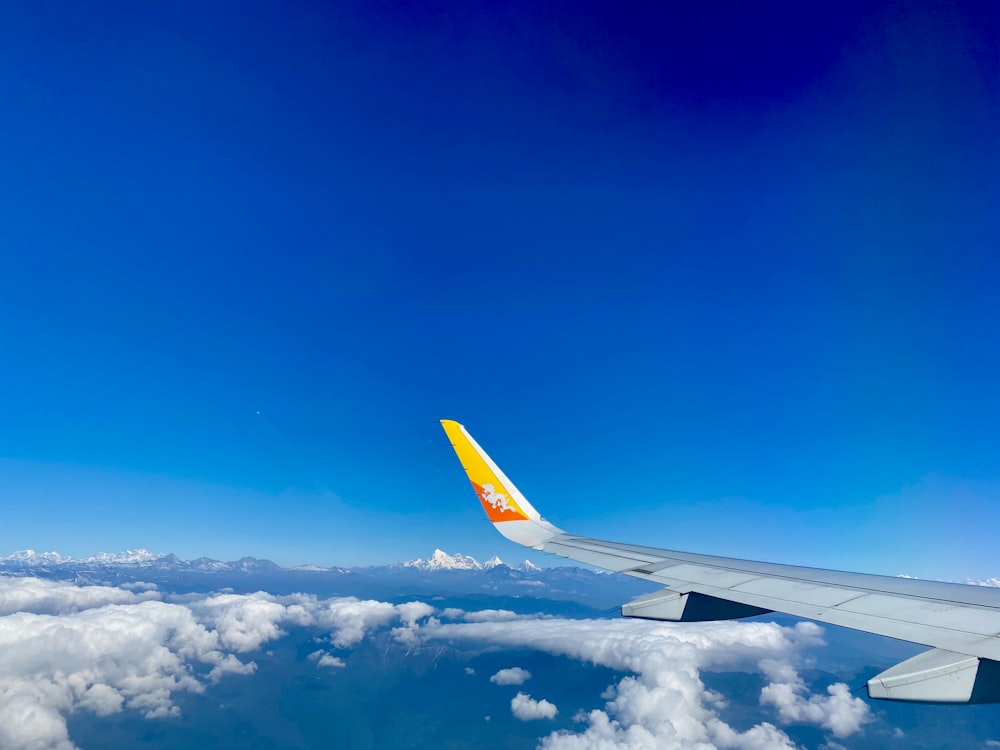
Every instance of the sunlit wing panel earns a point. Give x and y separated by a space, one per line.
958 621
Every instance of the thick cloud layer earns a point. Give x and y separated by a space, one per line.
665 705
100 659
99 649
52 598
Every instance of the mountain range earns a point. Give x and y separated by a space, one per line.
439 575
141 558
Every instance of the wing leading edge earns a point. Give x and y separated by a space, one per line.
961 623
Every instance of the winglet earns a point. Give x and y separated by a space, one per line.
511 513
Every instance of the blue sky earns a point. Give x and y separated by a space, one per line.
722 280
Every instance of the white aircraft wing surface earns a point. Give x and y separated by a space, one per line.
960 623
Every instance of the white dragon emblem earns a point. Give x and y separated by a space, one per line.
498 500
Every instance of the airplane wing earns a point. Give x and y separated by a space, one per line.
960 623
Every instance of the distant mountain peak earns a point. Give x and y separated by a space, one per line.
253 564
441 560
129 556
141 559
493 562
30 557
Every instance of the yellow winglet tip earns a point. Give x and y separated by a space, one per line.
499 497
454 432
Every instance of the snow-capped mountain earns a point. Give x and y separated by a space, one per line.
440 575
133 558
493 562
28 557
441 560
128 557
144 559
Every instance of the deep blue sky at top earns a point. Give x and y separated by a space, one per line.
711 277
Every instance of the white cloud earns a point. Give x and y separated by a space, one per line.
470 671
350 619
410 612
243 622
839 711
30 717
663 705
139 586
629 645
324 659
491 615
66 648
103 650
101 660
526 708
42 597
512 676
